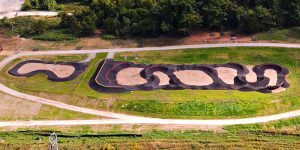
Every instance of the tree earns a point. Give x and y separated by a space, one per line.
26 5
112 25
164 28
256 20
82 22
290 12
50 5
68 22
88 25
215 13
191 20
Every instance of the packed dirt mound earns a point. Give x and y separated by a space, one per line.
61 71
163 78
194 77
270 73
130 76
227 74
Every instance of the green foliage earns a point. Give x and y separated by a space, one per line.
286 35
54 36
86 138
50 5
258 19
109 37
290 12
216 13
172 17
112 25
155 17
82 22
25 26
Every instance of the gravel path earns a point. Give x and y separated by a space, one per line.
128 119
90 58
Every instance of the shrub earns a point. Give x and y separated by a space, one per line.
53 37
109 37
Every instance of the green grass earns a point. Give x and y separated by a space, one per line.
55 36
77 138
152 140
288 126
2 57
71 7
18 109
291 35
176 104
276 135
52 113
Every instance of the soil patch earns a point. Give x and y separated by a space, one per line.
270 73
194 77
163 78
130 76
15 108
226 74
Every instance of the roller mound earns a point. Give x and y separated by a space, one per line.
105 78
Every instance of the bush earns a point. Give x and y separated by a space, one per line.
50 5
295 32
52 36
109 37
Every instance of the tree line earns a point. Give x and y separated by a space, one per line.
174 17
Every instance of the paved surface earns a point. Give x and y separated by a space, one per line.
10 5
128 119
28 13
11 9
110 55
90 58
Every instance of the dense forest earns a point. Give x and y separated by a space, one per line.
173 17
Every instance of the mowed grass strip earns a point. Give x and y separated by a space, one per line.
163 140
196 104
2 57
291 35
282 134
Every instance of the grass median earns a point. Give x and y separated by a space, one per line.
262 136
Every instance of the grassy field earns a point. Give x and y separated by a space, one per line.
284 35
18 109
265 136
13 109
2 57
175 104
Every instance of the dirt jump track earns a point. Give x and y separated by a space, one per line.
128 119
79 68
105 78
